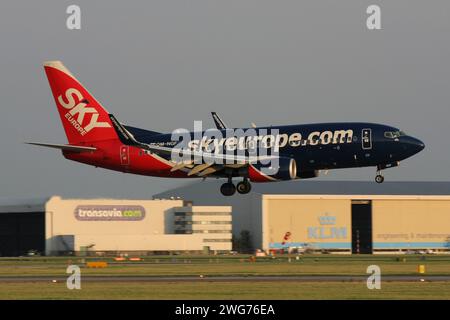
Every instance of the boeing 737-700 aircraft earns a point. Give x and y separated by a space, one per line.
258 154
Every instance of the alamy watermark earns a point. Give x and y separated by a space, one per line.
230 146
374 280
73 21
74 280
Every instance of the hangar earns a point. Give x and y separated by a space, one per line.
337 216
325 216
55 226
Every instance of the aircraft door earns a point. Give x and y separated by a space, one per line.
366 139
124 155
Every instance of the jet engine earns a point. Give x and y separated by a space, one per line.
282 168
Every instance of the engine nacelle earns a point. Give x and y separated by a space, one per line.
285 170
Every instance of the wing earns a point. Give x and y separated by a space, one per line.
208 156
211 162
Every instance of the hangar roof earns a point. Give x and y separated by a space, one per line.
17 205
23 204
327 188
355 187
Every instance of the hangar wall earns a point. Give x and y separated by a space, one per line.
394 223
127 225
411 223
207 194
379 220
211 223
325 224
83 219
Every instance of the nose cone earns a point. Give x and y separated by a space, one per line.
412 145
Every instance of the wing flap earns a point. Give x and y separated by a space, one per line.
199 168
208 171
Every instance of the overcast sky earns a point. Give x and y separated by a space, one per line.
162 64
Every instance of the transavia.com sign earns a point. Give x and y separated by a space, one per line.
109 213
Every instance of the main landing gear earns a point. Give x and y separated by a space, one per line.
244 186
228 188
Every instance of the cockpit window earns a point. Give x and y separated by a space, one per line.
394 134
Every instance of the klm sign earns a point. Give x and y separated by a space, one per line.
327 229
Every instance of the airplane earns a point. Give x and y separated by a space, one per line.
260 154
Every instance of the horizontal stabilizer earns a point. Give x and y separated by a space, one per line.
67 147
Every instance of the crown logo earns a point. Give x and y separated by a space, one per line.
327 219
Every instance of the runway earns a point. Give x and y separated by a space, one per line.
309 278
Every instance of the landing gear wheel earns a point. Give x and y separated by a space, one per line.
379 178
227 189
244 187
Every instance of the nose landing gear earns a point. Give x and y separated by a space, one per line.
379 177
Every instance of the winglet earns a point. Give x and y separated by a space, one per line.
219 122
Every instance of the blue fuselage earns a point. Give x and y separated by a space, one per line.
318 146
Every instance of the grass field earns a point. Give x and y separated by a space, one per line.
221 266
230 265
226 290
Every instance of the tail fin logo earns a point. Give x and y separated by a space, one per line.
78 110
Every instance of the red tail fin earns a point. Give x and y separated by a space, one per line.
84 119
